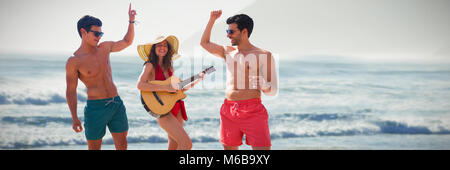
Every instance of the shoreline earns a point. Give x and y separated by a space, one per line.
357 142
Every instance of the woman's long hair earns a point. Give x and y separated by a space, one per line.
167 59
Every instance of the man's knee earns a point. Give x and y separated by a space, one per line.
120 140
121 145
94 144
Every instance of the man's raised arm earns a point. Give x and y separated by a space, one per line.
205 42
128 39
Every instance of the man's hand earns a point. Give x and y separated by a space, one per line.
131 13
258 82
215 14
76 125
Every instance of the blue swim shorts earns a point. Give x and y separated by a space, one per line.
104 112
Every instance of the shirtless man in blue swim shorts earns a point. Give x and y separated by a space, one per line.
90 63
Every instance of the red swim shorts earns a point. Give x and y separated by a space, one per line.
247 117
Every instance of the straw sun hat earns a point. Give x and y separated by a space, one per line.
144 50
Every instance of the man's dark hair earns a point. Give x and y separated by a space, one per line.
242 21
87 22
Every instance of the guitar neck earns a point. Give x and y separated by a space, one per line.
195 77
189 80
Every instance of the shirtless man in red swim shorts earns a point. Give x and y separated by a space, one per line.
250 71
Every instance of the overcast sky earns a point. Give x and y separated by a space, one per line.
364 29
49 26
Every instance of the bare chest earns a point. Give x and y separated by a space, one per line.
93 66
240 64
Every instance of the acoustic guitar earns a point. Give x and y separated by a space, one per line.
160 103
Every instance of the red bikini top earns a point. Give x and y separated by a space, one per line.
159 73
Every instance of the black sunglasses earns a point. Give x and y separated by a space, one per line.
96 33
230 31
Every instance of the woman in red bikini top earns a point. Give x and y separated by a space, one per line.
158 66
179 106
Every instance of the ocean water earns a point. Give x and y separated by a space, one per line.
320 105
